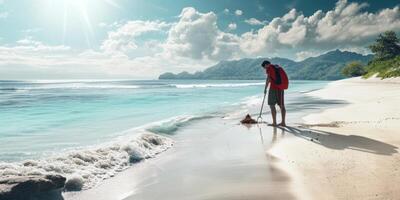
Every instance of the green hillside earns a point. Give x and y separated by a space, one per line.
324 67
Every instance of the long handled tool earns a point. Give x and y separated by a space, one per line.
248 119
259 118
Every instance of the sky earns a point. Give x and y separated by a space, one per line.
140 39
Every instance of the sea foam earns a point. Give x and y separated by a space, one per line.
79 86
87 167
185 86
171 125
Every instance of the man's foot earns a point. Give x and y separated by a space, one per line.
282 124
273 124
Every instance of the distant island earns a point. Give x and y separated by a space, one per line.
324 67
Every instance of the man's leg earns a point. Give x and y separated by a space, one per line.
272 100
273 113
283 113
282 107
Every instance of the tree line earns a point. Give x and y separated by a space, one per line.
386 61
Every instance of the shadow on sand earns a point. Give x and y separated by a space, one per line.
341 142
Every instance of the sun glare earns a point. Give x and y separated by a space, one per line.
77 13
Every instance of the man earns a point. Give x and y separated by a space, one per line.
278 82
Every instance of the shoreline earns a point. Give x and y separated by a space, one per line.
275 177
201 150
223 161
351 151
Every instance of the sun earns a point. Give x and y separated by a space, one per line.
75 2
66 12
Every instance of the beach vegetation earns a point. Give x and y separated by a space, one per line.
354 69
384 68
386 46
386 62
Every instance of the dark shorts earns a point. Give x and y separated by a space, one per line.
276 97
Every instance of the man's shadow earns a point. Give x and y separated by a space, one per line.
342 142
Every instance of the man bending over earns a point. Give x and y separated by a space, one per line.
277 81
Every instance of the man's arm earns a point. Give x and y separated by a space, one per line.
268 80
266 85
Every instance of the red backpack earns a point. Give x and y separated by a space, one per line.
282 80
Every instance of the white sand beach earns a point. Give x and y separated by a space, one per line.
349 152
223 160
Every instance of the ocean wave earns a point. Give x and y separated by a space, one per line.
251 101
71 86
90 166
171 125
93 84
73 81
185 86
308 91
246 106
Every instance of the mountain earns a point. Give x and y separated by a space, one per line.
324 67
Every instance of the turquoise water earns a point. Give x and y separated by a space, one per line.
41 117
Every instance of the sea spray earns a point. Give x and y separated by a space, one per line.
171 125
86 168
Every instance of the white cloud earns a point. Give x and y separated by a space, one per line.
195 41
255 22
347 25
124 38
197 36
226 11
194 35
359 50
29 45
232 26
33 59
238 12
29 52
306 54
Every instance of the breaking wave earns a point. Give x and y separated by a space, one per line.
92 165
184 86
250 101
89 166
170 126
75 86
49 85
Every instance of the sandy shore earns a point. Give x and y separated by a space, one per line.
214 158
348 152
222 160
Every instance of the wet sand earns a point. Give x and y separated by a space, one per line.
224 160
215 158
